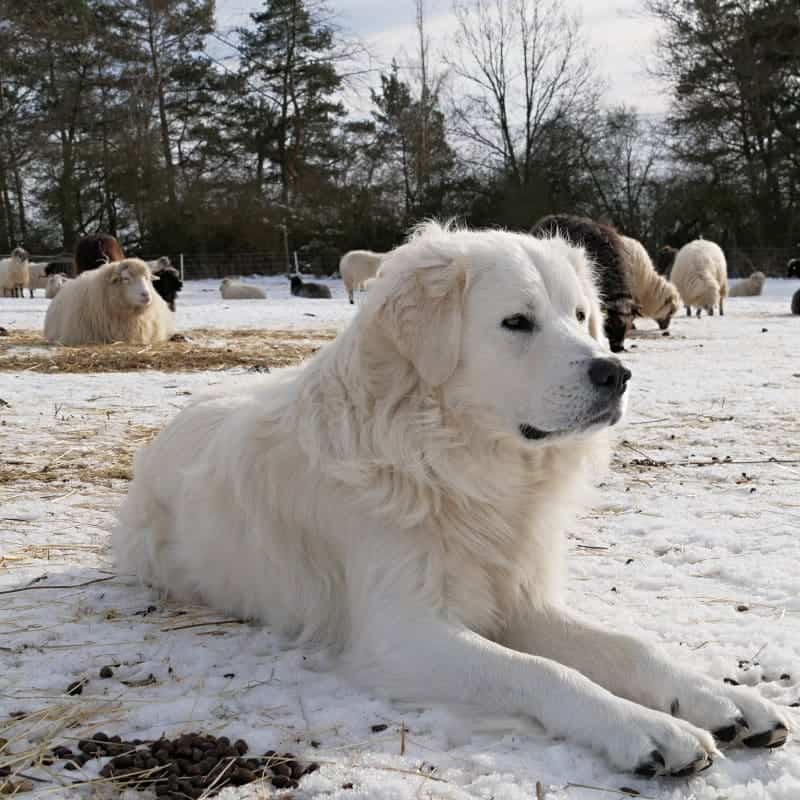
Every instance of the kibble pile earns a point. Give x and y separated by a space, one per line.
190 765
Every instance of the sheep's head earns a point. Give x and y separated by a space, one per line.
759 279
134 281
163 263
668 308
20 254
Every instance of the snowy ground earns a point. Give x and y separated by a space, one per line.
694 543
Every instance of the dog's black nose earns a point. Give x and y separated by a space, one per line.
608 373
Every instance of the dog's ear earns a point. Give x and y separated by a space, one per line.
422 315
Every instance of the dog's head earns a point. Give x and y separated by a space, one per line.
507 325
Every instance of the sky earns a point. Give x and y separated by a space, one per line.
620 38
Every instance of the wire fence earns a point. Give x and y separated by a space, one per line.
772 261
198 266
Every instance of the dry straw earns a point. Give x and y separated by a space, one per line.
205 349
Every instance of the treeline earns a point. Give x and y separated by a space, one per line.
116 115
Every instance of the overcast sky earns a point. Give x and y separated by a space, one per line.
621 39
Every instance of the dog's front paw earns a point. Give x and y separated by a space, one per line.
651 743
734 714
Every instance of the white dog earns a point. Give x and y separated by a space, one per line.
401 499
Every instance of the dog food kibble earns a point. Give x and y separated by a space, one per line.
191 765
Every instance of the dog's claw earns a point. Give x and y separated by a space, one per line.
702 763
769 739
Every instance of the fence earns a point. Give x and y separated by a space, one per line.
772 261
196 266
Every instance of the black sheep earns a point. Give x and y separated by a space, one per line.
665 258
168 285
309 289
793 268
796 302
604 246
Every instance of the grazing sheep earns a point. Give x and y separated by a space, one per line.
167 283
112 303
54 284
604 246
94 251
749 287
665 258
159 263
796 302
237 290
700 273
657 298
308 288
357 267
793 268
15 273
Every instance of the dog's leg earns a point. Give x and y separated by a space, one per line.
632 668
435 660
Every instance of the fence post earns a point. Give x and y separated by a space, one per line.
296 265
181 260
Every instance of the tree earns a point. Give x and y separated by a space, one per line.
520 72
734 68
411 136
621 156
290 77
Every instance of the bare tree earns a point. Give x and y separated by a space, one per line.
520 70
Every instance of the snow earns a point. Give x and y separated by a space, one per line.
692 543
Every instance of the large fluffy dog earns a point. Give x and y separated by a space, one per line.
401 500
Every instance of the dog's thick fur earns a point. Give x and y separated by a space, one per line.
400 501
604 245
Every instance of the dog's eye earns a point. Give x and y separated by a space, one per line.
580 315
518 322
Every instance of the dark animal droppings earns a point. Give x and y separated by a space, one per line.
190 765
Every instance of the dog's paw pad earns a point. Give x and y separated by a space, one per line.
772 738
729 733
699 765
652 766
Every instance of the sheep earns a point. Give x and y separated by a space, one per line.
237 290
37 277
665 258
310 289
604 246
167 283
112 303
657 298
15 273
700 273
796 302
54 284
748 287
159 263
356 267
793 268
94 251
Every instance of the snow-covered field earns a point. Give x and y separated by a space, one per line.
693 543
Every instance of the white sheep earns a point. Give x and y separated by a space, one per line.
749 287
115 302
15 273
700 274
54 284
657 298
237 290
37 277
357 267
